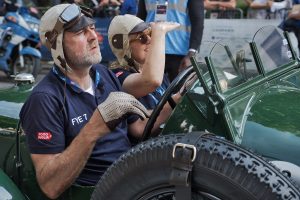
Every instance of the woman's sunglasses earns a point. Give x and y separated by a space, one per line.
143 37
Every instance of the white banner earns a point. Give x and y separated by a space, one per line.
220 29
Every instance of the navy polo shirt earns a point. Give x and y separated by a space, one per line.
151 100
56 111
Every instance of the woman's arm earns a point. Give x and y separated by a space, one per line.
152 70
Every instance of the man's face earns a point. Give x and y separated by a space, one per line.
81 48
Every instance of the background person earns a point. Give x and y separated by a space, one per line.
125 6
182 43
292 21
267 9
221 5
75 120
220 9
128 7
8 6
2 8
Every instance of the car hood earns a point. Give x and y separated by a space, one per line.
272 127
11 102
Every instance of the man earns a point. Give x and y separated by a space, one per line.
75 120
182 43
292 21
221 5
8 6
2 8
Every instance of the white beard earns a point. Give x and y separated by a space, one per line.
84 59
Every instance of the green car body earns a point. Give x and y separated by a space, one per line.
249 96
260 112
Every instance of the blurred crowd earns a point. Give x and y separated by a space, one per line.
287 11
258 9
253 9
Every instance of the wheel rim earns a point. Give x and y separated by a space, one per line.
162 193
168 193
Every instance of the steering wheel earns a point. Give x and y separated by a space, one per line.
167 97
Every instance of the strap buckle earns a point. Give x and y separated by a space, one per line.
189 146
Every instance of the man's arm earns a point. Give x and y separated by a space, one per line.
142 12
259 5
196 14
210 4
227 5
294 13
137 128
56 172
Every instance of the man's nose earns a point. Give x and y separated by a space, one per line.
91 33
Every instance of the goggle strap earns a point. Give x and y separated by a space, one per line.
130 62
87 11
51 36
62 61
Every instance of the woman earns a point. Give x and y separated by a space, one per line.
140 51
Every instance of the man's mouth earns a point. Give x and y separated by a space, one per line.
94 46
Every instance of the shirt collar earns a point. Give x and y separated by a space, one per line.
94 73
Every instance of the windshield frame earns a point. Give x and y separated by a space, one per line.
214 86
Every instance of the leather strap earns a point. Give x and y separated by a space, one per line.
184 155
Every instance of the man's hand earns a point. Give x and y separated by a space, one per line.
118 105
185 62
190 81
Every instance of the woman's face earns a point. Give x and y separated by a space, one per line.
139 45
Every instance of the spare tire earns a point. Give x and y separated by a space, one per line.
222 170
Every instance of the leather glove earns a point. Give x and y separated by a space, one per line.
118 105
190 81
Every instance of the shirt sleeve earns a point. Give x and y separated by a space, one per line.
121 74
43 123
196 14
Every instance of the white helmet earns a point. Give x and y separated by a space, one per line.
53 24
119 29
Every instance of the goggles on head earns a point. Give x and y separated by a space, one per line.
143 37
66 19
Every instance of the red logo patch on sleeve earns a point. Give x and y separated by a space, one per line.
119 73
44 136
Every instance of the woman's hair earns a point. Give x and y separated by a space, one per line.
131 65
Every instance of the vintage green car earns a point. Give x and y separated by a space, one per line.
234 135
